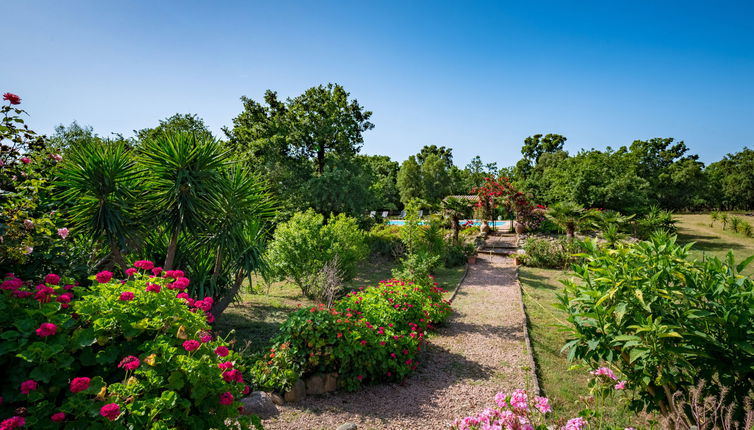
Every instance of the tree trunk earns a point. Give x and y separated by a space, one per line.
321 159
218 264
170 257
227 299
455 227
570 230
116 254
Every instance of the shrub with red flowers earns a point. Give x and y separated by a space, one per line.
371 335
95 360
500 191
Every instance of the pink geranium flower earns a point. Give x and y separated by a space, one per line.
620 385
13 423
111 411
63 232
131 271
129 363
46 329
104 277
58 417
126 296
52 279
222 351
226 399
79 384
28 386
155 288
191 345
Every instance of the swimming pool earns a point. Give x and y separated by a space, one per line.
476 222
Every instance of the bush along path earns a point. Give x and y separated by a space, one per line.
477 353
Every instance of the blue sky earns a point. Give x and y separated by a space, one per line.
476 76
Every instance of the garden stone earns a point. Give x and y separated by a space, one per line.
259 403
276 399
331 382
347 426
315 385
297 393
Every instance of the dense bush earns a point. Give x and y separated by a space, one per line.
550 253
656 220
130 354
663 320
303 244
384 240
373 334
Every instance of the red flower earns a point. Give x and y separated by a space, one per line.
156 271
225 365
25 160
104 277
144 264
58 417
153 288
110 411
222 351
246 390
129 363
131 271
12 423
79 384
12 98
206 338
226 398
46 329
28 386
52 279
126 296
191 345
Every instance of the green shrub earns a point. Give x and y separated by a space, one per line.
547 253
418 265
303 244
385 241
663 320
735 224
745 229
134 346
656 220
373 334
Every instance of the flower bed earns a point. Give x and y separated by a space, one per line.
373 334
137 353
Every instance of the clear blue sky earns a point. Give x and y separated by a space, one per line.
476 76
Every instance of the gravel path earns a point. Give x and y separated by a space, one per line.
477 353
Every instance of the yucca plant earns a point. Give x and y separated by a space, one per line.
101 185
714 216
724 219
567 215
183 173
735 223
745 228
454 209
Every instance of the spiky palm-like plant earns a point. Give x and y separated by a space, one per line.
724 219
567 215
454 209
102 185
184 174
714 216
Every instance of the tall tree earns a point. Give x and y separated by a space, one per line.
180 123
410 184
443 153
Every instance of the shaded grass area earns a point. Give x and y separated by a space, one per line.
255 319
714 241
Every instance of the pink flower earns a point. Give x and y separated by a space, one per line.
156 271
191 345
56 157
47 329
58 417
52 279
104 277
206 338
500 400
11 284
620 385
180 284
222 351
126 296
12 98
519 400
28 386
129 363
12 423
246 390
226 398
25 160
604 371
210 317
543 404
79 384
110 411
131 271
63 232
575 424
175 274
233 375
225 365
360 377
144 264
154 288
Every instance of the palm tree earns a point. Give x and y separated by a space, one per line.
567 215
454 209
183 175
101 185
714 216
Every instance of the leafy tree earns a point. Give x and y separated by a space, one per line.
383 180
435 179
455 209
410 184
478 170
182 123
443 153
732 180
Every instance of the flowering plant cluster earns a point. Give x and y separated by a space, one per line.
518 411
496 190
373 334
136 353
33 235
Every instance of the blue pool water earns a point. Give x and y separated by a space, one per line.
497 224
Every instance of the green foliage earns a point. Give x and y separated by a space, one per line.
426 175
418 265
550 253
384 240
95 329
656 220
371 335
567 215
731 181
663 320
303 244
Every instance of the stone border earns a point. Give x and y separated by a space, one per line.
458 287
529 349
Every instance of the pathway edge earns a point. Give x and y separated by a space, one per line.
527 339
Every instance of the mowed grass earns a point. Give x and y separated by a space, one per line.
714 241
256 318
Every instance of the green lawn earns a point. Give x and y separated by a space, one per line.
257 317
714 241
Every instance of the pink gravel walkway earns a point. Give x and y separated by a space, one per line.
480 351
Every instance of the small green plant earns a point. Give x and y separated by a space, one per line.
714 217
735 224
745 229
553 254
724 220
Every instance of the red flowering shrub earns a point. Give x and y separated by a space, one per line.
373 334
95 360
